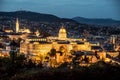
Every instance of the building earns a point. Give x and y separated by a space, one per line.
36 46
62 34
19 33
18 30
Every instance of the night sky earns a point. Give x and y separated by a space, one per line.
66 8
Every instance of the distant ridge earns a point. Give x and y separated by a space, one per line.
104 22
41 17
34 16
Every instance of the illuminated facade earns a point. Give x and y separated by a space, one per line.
24 30
8 31
37 46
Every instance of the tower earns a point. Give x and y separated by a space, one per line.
62 33
17 26
37 33
113 38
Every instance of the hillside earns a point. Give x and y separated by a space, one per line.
33 16
104 22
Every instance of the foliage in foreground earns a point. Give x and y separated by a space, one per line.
21 70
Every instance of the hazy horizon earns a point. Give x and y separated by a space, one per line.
66 8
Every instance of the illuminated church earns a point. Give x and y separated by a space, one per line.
18 30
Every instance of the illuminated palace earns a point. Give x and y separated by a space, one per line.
35 45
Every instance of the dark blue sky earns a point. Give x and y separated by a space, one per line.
66 8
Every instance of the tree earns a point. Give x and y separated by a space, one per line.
13 55
52 52
20 60
13 52
61 50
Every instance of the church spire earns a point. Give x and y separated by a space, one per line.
17 25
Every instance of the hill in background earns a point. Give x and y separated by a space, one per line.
95 21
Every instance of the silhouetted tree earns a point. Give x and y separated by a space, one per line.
61 50
52 52
13 52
